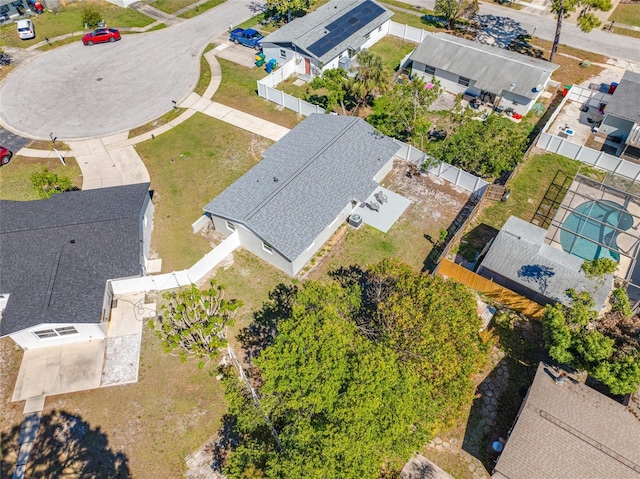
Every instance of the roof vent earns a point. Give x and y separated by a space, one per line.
72 241
275 179
513 85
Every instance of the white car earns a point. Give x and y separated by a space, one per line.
26 30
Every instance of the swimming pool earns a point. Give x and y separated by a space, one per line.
595 220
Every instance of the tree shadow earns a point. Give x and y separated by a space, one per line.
536 273
475 241
262 330
65 446
498 31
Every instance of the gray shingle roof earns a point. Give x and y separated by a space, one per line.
305 31
519 254
625 102
305 180
57 254
569 430
494 69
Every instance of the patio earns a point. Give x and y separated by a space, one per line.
89 364
390 207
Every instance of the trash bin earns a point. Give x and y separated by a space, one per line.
260 59
612 88
271 65
565 90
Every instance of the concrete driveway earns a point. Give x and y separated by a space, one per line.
78 92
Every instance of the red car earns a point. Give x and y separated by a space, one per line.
5 156
101 35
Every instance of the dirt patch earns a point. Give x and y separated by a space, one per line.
10 412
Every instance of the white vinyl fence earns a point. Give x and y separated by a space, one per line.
565 147
406 32
177 279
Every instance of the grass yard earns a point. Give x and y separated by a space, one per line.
215 155
171 6
392 50
434 207
528 187
569 58
626 13
238 89
413 20
205 72
163 120
201 8
69 20
626 32
15 182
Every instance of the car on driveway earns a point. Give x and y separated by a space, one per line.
5 156
249 38
101 35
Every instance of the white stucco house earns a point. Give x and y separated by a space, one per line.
307 184
621 120
57 256
494 75
329 36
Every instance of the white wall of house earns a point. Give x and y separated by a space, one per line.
57 334
146 226
384 171
519 103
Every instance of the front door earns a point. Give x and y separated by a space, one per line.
307 66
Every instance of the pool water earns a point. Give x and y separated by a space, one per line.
595 220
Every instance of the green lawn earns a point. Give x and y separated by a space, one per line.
216 154
626 32
201 8
412 20
15 182
392 50
163 120
629 14
69 20
171 6
205 72
239 89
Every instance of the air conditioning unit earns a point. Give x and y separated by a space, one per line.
355 220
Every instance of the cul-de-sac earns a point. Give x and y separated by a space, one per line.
320 239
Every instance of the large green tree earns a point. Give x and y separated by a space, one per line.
370 79
284 10
401 112
47 183
484 148
608 348
587 21
454 10
360 373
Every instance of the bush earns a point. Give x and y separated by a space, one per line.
91 16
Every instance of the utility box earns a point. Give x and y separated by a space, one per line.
345 63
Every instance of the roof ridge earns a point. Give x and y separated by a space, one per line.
71 223
330 142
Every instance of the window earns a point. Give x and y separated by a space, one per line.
267 247
231 226
283 54
380 28
463 81
144 220
430 70
367 36
55 332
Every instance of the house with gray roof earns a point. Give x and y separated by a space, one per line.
307 184
329 36
566 429
621 120
494 75
520 260
57 256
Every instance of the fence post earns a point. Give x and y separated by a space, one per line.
615 170
458 176
299 106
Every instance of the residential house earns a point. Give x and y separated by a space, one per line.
305 187
57 256
621 122
520 260
567 429
13 9
329 36
494 75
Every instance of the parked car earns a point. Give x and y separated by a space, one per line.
5 156
26 30
101 35
248 38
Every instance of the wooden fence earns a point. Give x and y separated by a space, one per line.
504 296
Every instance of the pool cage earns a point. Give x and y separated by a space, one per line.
599 217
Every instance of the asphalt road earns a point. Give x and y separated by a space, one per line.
11 141
544 25
81 92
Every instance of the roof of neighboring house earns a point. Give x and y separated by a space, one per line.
520 254
570 430
57 254
493 69
305 180
332 28
625 101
